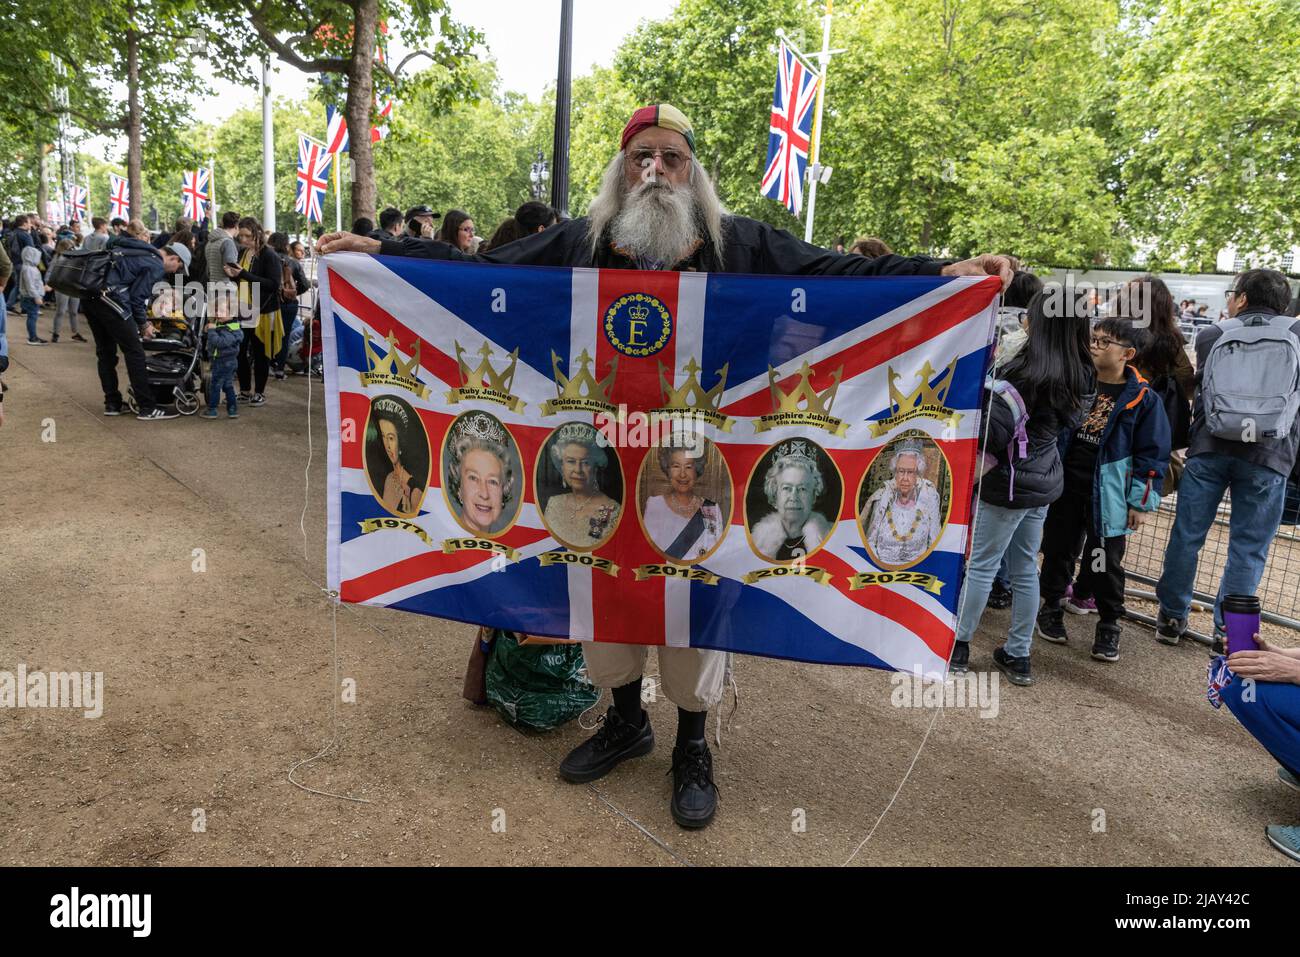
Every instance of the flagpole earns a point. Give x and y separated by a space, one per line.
268 151
814 168
338 196
212 192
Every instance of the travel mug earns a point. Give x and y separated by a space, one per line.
1241 620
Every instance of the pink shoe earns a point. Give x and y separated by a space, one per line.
1078 606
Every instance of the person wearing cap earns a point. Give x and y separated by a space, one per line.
657 209
119 320
420 222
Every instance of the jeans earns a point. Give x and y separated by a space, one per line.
113 331
1258 494
65 306
33 312
223 353
1017 533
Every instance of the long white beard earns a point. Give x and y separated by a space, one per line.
657 221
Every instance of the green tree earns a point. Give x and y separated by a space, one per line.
1041 196
1209 126
338 41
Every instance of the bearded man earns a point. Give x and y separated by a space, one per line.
657 209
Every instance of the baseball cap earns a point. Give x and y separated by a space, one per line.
181 253
421 211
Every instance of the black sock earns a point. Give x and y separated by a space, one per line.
627 699
690 725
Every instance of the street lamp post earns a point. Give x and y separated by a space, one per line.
560 151
539 173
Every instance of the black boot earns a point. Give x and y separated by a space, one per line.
695 796
615 742
1051 625
960 663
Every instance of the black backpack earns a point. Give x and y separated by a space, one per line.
80 273
1177 409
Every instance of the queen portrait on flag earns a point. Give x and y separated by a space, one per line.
901 520
683 525
582 517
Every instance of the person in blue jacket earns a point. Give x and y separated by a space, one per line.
1114 463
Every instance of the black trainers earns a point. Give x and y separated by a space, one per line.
114 408
1051 625
695 796
1169 630
960 663
1000 596
615 742
156 414
1105 646
257 399
1016 669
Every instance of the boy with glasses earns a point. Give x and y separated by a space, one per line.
1114 468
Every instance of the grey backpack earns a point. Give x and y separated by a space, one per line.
1250 388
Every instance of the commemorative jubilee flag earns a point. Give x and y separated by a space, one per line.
770 465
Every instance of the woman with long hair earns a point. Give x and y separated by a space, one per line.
1055 378
1147 303
457 229
288 305
258 272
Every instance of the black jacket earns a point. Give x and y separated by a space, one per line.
131 278
1039 476
750 247
265 271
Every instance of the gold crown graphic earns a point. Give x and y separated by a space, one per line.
692 395
484 371
927 393
812 401
583 385
638 312
392 364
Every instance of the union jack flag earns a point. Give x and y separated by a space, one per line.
313 177
77 202
790 131
194 193
385 110
119 197
401 341
336 131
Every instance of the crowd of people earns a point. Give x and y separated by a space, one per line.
1094 414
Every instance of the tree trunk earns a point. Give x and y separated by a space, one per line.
133 115
361 96
42 180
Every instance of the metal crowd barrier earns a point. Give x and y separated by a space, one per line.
1279 589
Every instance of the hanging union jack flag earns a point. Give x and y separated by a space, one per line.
336 127
195 193
790 132
313 177
385 110
831 459
77 203
119 197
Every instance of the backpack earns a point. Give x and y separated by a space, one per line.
1177 409
80 273
1018 448
288 288
1251 382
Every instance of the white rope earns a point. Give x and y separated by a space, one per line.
334 712
979 484
334 607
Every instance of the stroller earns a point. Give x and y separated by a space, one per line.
174 357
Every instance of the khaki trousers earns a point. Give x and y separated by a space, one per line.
692 678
